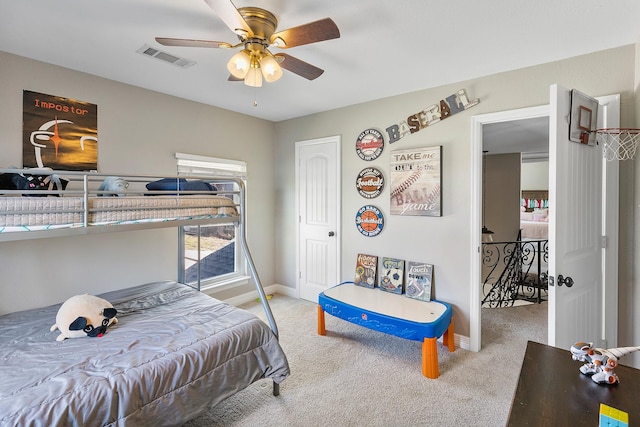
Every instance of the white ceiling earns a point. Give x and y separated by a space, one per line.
386 47
527 136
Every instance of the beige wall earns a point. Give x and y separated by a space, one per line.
139 131
535 176
502 196
442 241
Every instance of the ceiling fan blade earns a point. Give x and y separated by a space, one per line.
317 31
230 16
165 41
299 67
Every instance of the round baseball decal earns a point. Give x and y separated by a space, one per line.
369 220
369 144
370 183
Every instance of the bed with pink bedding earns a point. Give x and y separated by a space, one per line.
534 214
534 225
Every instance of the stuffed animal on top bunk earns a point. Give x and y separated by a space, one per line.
44 181
84 316
113 186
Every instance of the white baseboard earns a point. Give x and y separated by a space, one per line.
253 295
461 341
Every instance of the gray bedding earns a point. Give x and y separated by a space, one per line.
173 353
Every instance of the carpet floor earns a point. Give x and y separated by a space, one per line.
358 377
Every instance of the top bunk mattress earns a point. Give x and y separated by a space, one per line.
38 213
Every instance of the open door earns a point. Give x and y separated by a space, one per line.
576 296
567 310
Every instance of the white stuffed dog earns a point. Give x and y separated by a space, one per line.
84 315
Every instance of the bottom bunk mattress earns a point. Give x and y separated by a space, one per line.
173 353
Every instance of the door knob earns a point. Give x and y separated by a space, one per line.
331 234
567 281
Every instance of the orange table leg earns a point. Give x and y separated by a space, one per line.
321 328
448 338
430 358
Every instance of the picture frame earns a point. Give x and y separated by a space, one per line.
416 181
583 118
59 133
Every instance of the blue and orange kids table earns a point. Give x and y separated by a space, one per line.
393 314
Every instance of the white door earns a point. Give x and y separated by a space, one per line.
560 322
575 231
318 197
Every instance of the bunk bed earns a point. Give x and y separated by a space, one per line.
174 351
81 203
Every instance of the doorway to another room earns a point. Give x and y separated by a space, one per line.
578 174
515 201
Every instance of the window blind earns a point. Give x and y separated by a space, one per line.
191 164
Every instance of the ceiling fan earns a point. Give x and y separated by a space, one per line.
256 29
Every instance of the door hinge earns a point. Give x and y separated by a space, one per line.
604 242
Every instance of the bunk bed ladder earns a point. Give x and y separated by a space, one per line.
254 272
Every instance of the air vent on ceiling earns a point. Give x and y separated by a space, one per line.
147 50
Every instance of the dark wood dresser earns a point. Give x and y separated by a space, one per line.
551 391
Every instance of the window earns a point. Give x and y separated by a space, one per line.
209 256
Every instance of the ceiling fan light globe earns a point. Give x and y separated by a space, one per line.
271 70
241 33
239 64
253 78
279 42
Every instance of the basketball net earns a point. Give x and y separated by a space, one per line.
618 143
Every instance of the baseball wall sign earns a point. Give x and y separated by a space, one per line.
369 144
452 104
370 183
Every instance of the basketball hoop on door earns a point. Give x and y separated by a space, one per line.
618 143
